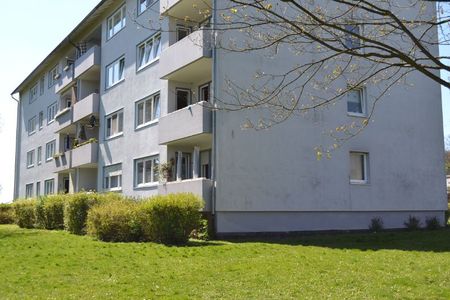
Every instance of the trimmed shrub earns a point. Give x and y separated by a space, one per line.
432 223
203 231
376 224
24 213
115 221
6 214
412 223
171 218
76 210
50 212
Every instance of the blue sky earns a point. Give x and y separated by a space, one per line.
30 30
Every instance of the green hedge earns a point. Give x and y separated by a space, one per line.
115 221
172 218
6 214
25 213
50 212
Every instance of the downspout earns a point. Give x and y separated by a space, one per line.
214 117
18 141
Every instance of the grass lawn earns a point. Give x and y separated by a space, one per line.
44 264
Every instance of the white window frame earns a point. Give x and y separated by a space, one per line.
154 162
148 3
29 190
189 100
112 66
365 167
110 30
200 94
362 93
33 93
39 155
53 75
50 150
49 186
52 110
32 126
109 118
182 27
142 51
30 159
41 120
38 189
107 177
149 100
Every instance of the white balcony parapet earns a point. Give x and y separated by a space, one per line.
196 10
66 79
85 156
86 107
63 162
190 121
201 187
89 60
188 58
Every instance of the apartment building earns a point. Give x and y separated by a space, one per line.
117 101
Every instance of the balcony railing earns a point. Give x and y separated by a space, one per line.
188 59
85 156
86 107
66 79
193 120
90 61
196 10
63 162
64 119
201 187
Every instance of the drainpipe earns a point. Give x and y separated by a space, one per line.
213 103
18 142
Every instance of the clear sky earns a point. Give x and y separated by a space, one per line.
30 30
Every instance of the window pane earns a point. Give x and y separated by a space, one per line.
121 69
114 182
120 128
182 99
140 113
140 172
155 170
156 107
141 56
148 110
354 101
357 166
148 171
157 47
148 52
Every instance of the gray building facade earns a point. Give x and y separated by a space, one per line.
122 99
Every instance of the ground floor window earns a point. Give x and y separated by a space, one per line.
359 162
146 170
29 190
49 187
112 177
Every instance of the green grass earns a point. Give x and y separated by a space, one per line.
56 265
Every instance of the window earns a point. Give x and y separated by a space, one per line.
205 92
186 166
115 72
65 102
38 189
50 148
42 86
114 124
183 98
146 171
51 112
31 125
147 110
182 32
29 190
149 51
356 104
359 167
351 41
41 120
30 159
33 93
49 187
39 155
113 177
53 76
143 5
205 164
116 22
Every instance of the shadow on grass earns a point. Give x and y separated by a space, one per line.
421 240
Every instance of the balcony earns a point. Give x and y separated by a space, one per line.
65 81
195 10
201 187
85 156
86 107
88 65
190 126
188 60
63 162
64 120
